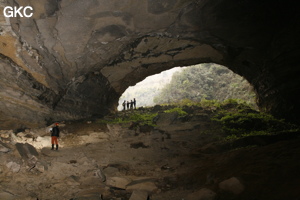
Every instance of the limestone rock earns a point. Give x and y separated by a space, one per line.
114 130
41 142
111 171
47 71
3 148
26 150
13 166
165 119
7 196
118 182
41 166
232 185
203 194
90 194
139 195
31 162
5 135
100 174
26 198
143 184
89 198
1 169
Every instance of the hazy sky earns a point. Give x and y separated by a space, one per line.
152 83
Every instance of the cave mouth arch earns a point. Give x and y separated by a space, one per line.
208 81
67 76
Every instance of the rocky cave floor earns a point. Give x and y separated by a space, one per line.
175 161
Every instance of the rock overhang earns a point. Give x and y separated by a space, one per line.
73 59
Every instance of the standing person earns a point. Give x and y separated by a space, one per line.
134 103
54 136
124 104
131 104
128 105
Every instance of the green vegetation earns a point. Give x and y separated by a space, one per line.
237 118
240 120
206 82
181 113
207 104
136 117
143 118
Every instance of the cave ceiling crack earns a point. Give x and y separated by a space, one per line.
135 55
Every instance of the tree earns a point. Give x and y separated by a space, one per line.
206 81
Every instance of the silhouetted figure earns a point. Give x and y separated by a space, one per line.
128 103
124 105
134 103
131 104
54 136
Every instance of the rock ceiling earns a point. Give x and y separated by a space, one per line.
73 58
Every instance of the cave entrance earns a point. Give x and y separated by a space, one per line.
203 81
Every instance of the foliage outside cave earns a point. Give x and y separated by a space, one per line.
227 98
206 81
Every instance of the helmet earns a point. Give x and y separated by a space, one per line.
56 124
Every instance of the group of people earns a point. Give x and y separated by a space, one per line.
129 104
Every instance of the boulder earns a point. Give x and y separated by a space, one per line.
165 119
146 128
7 196
111 171
203 194
41 142
114 130
4 135
26 150
91 194
26 198
89 198
31 162
232 185
144 184
13 166
139 195
118 182
4 148
99 173
41 166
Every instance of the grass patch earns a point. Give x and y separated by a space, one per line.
136 117
237 118
181 113
240 120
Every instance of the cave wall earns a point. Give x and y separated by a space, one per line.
73 59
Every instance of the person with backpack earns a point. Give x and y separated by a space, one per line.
54 136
